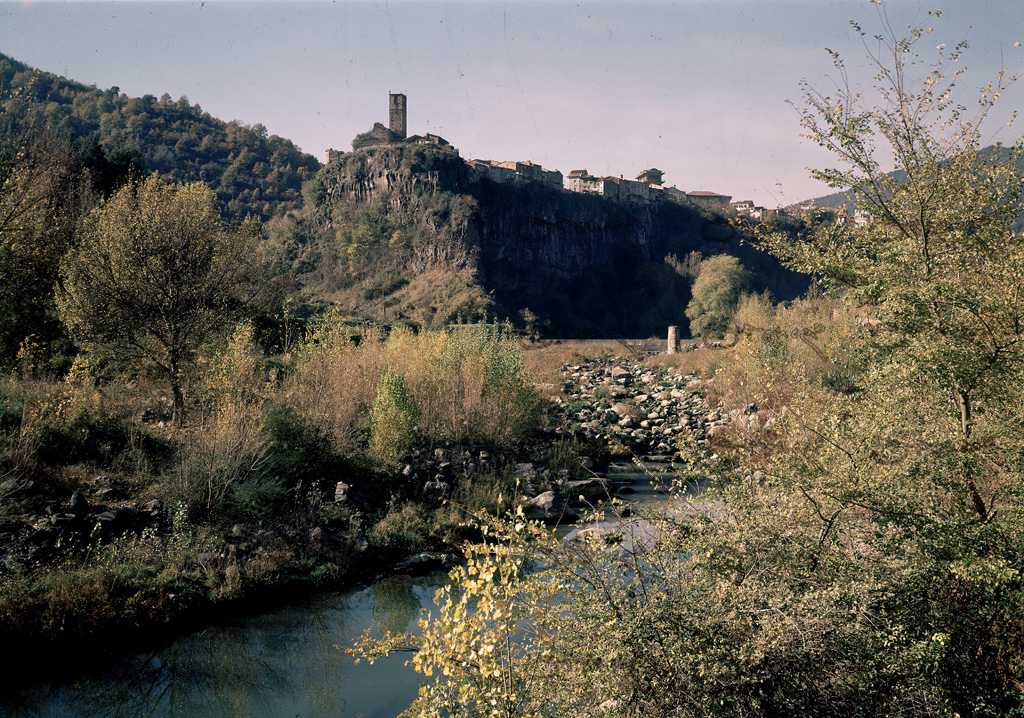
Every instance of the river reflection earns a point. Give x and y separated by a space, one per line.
279 664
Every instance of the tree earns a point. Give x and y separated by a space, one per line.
43 194
926 451
155 273
938 268
716 292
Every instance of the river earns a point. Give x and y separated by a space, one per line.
285 662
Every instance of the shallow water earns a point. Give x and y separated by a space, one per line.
282 663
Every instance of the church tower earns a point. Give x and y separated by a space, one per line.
397 115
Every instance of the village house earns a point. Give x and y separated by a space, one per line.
747 207
711 199
617 189
652 176
510 172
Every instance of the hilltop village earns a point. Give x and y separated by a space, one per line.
647 188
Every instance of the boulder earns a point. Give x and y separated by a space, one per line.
717 430
550 508
597 533
79 504
590 489
621 409
319 536
436 488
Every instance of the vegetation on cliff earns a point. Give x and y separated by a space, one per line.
410 233
387 233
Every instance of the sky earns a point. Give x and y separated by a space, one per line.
696 88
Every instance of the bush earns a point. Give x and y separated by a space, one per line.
716 292
393 418
405 530
301 456
468 382
218 457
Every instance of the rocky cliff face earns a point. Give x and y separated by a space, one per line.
527 231
580 265
396 173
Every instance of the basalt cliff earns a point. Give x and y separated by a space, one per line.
415 233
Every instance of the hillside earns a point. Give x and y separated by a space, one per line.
410 233
251 172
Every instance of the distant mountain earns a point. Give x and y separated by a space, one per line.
845 200
251 172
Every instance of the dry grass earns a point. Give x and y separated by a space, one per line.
467 381
545 359
702 362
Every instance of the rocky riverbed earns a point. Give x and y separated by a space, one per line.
635 409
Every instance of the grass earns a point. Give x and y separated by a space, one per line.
262 449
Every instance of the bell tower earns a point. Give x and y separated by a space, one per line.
397 115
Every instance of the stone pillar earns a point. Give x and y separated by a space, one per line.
673 341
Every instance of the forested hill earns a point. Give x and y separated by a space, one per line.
251 172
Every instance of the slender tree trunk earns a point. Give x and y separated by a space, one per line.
964 401
178 396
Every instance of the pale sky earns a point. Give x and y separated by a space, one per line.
696 88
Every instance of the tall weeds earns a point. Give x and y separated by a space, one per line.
223 466
468 382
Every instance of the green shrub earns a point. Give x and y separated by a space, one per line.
393 418
302 457
716 292
403 530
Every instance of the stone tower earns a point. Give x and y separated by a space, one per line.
396 115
